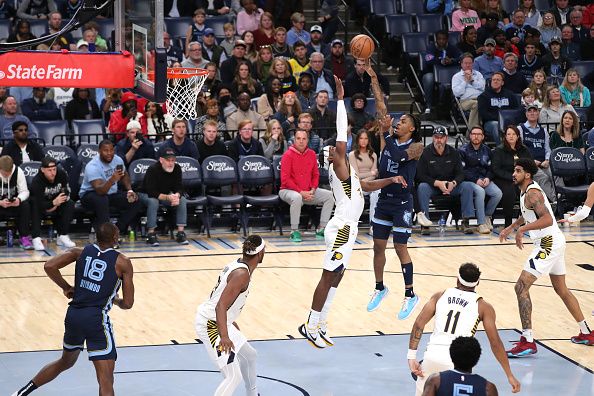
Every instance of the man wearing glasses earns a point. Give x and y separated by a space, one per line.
21 149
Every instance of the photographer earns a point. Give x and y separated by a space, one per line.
135 146
13 198
50 194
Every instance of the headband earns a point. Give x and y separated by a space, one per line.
466 283
256 250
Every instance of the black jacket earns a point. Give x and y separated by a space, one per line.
362 84
324 125
447 166
14 151
490 102
237 149
45 192
157 181
504 160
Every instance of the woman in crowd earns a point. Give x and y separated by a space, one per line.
251 53
280 69
22 32
158 123
263 62
568 133
273 142
504 157
548 28
244 82
288 111
212 113
533 16
573 91
364 160
468 42
494 6
264 35
269 102
554 105
539 85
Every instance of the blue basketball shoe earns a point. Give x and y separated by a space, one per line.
408 306
376 299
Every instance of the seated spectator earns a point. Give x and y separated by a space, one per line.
157 122
515 31
440 6
555 64
573 91
561 11
467 85
273 142
351 137
495 7
100 42
4 93
536 139
316 43
533 37
135 146
228 42
281 70
50 194
297 32
580 31
162 185
264 35
569 48
476 160
10 116
22 32
174 53
532 16
548 29
514 80
212 114
210 143
263 63
229 67
529 62
305 122
323 79
269 103
568 133
324 119
587 46
196 29
226 105
445 176
120 118
288 111
464 16
195 58
14 196
212 84
179 142
244 82
244 112
504 158
468 42
38 108
305 93
111 103
7 11
299 184
245 143
337 62
489 26
299 62
81 107
495 98
441 53
503 45
359 117
250 50
21 149
54 25
552 109
210 50
539 86
35 9
280 46
528 99
99 190
488 63
364 160
248 19
359 81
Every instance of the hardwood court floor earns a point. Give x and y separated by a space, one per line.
172 280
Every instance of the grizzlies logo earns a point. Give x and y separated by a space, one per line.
407 217
336 256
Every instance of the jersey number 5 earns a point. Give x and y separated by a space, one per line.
94 269
447 325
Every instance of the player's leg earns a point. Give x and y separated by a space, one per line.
104 370
400 234
435 360
586 336
231 379
382 227
50 371
246 356
526 346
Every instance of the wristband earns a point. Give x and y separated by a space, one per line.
411 354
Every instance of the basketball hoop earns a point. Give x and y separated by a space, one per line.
183 86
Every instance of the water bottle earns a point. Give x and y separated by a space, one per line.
9 238
92 235
442 225
131 236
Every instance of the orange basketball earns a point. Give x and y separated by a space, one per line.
362 46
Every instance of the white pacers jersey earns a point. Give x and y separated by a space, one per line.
207 309
456 315
530 217
347 195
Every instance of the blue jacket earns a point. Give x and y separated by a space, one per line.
46 111
434 55
476 163
440 6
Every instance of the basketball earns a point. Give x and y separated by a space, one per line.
362 46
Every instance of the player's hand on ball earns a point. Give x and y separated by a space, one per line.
226 345
415 368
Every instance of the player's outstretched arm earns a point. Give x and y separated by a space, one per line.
378 184
380 105
487 315
584 210
421 321
237 281
339 160
52 269
125 272
432 385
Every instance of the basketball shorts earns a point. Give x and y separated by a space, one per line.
547 257
436 359
393 215
92 326
340 238
208 333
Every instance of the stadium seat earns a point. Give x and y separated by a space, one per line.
568 162
590 163
216 24
444 74
429 23
583 67
86 152
137 170
542 5
413 7
383 7
454 38
177 26
5 27
30 169
53 132
510 6
397 25
69 161
414 44
93 129
38 27
193 190
511 117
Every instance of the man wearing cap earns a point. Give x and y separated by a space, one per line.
82 46
39 108
50 195
21 149
488 63
359 81
228 67
135 146
440 172
195 58
555 64
337 62
495 98
299 62
316 44
119 119
467 85
297 32
210 50
162 185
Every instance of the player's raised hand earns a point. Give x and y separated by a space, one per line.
515 384
369 69
339 88
226 345
385 123
415 368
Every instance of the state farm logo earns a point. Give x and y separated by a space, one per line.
49 72
254 166
219 166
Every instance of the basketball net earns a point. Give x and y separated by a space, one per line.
183 86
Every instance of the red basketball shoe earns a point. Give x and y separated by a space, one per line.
586 339
522 348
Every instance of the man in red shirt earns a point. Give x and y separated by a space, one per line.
299 184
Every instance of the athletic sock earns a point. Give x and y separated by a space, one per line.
327 304
408 292
527 333
25 390
379 285
407 273
313 320
584 327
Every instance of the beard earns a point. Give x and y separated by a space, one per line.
168 169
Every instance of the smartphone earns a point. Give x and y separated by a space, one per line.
447 184
120 168
64 191
139 136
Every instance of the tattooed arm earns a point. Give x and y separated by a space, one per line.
535 200
424 317
380 105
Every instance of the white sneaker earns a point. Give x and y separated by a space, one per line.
427 111
314 337
484 229
423 220
489 223
38 244
64 240
323 330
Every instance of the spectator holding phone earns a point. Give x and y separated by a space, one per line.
99 191
50 194
135 146
14 196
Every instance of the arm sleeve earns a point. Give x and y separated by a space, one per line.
581 214
341 122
